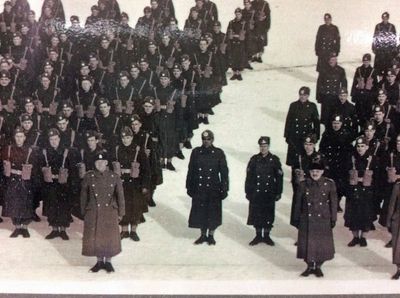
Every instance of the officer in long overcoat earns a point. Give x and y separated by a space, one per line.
393 224
102 205
207 183
263 187
315 217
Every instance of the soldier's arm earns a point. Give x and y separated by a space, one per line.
249 183
278 176
337 41
392 204
84 193
288 122
224 172
189 176
343 78
316 122
318 41
298 203
120 197
333 201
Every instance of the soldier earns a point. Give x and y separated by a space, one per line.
336 146
103 205
262 25
302 119
363 89
347 110
263 187
109 125
384 44
133 166
393 225
359 213
330 80
327 42
18 168
315 217
207 183
236 35
57 167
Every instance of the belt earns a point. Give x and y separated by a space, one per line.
360 179
125 171
54 176
16 172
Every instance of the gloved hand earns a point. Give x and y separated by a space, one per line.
278 197
224 194
189 193
248 197
296 224
333 224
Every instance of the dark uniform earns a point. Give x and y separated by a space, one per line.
315 217
207 183
263 186
326 43
302 119
393 224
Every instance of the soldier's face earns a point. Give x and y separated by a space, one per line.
152 49
54 141
124 20
86 85
304 97
95 12
333 61
93 62
154 4
124 81
105 44
67 112
336 125
238 15
7 8
378 116
17 41
362 149
45 83
207 142
27 125
62 125
343 97
199 4
369 134
144 66
385 19
166 40
148 108
185 64
101 165
135 72
391 78
247 5
328 21
177 72
53 56
63 37
382 98
92 143
31 18
164 81
85 70
104 109
29 107
217 29
127 140
48 69
316 174
19 139
203 45
264 149
194 14
366 63
136 125
55 41
4 82
309 148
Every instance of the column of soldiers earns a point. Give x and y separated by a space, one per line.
84 100
358 149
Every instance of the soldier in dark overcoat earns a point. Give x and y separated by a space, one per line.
315 217
329 82
327 42
359 213
302 119
263 187
236 36
207 183
102 204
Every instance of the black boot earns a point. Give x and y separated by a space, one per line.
396 276
109 267
52 235
134 236
234 77
354 242
258 239
268 240
239 77
307 272
124 234
170 166
205 121
64 235
318 272
363 242
201 240
1 220
25 233
96 268
187 145
389 244
15 233
151 202
211 240
180 155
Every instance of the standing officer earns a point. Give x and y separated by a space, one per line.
301 120
393 224
315 217
327 42
264 183
207 183
103 205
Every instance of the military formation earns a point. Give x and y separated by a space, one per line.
92 112
358 149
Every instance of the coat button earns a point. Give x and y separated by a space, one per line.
109 195
309 204
258 183
106 205
199 169
309 214
319 215
93 185
320 203
208 185
199 184
258 190
258 176
98 205
201 177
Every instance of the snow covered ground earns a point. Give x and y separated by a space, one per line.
165 260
